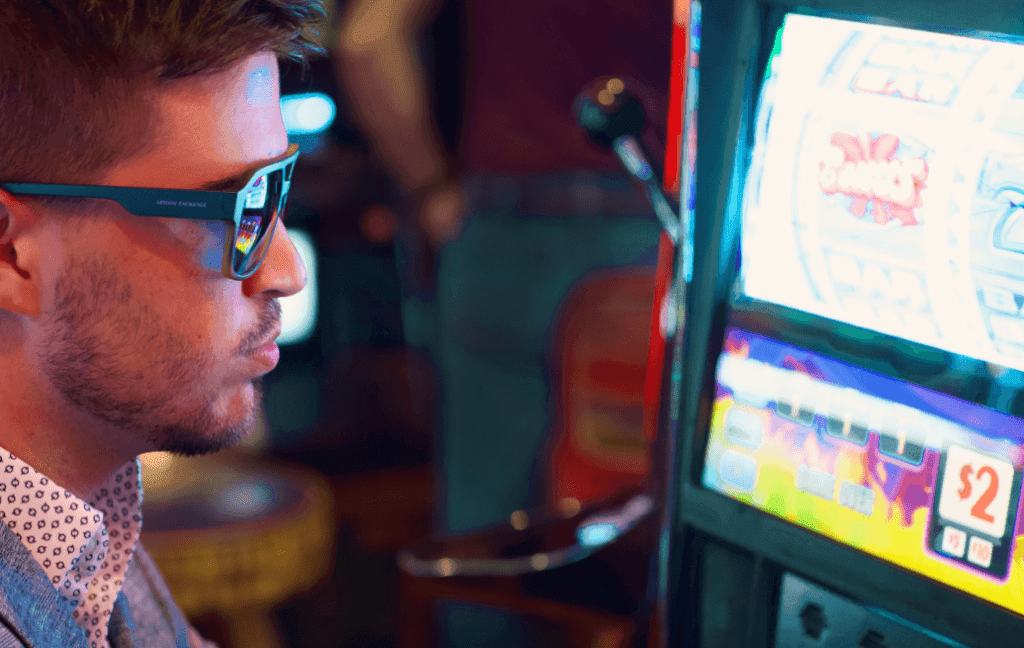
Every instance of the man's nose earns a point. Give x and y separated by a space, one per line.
282 272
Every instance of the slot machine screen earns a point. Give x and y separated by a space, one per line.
873 359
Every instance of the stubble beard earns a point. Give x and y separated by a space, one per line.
94 344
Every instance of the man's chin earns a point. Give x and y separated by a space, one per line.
194 443
214 430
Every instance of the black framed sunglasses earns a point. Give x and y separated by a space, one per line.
254 208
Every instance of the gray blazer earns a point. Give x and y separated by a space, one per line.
33 615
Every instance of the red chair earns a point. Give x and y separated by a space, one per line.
600 359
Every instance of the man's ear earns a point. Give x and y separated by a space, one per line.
19 257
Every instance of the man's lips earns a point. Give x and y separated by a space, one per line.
269 340
267 353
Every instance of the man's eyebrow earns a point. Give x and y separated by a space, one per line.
226 184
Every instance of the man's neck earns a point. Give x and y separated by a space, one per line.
39 427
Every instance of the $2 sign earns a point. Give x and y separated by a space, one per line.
976 490
980 508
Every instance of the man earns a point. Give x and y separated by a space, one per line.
519 211
131 319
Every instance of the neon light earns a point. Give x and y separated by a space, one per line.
309 113
593 535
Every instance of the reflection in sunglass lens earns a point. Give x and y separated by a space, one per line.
256 195
247 231
252 237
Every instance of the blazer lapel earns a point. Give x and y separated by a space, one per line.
29 603
120 632
145 613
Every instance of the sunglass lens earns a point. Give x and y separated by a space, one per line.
254 233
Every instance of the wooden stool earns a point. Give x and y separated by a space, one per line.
237 536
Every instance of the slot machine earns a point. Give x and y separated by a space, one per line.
847 444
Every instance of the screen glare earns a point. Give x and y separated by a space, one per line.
299 311
887 196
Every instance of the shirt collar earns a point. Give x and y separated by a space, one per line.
58 528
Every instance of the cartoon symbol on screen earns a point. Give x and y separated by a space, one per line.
863 168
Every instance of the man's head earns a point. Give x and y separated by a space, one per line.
122 329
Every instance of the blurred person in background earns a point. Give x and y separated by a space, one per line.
124 332
517 207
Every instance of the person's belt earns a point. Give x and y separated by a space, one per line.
573 194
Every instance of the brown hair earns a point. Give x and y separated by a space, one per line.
77 76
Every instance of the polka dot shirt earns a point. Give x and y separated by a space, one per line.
83 546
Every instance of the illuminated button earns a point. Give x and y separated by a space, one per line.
979 552
795 402
744 428
840 422
795 409
902 442
848 429
954 542
738 469
857 497
816 482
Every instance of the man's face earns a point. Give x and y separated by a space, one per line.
142 331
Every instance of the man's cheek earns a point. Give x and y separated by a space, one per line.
213 246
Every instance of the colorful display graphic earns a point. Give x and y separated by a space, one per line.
864 169
247 231
918 478
887 185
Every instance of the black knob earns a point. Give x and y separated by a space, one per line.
812 617
607 110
